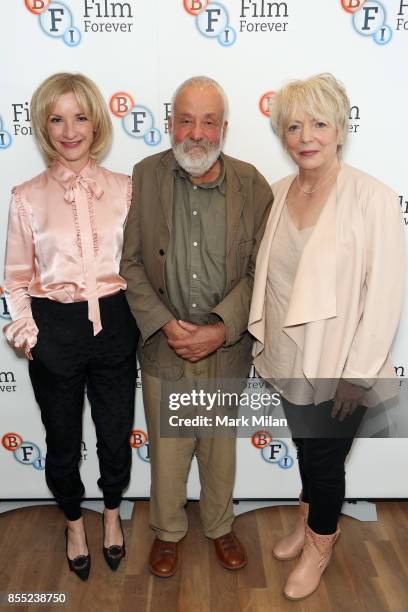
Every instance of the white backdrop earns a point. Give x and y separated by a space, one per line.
144 49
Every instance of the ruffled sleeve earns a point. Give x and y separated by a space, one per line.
22 333
19 270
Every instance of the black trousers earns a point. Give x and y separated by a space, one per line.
321 460
68 358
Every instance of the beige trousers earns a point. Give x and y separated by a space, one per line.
170 460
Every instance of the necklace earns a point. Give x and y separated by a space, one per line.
316 188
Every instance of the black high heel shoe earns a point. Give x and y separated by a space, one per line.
81 565
114 554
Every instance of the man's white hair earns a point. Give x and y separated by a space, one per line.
197 81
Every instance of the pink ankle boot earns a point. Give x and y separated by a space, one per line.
291 546
305 578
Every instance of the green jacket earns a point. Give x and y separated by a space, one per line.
146 239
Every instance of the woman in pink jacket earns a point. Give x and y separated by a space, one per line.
326 304
67 302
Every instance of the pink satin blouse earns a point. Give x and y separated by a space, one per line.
64 243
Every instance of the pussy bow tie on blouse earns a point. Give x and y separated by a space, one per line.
87 183
79 190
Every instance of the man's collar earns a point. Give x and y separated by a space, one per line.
231 175
218 182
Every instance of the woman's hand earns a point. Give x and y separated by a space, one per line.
25 349
22 335
348 397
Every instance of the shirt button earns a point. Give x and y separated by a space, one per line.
195 212
161 291
194 275
161 252
195 243
194 305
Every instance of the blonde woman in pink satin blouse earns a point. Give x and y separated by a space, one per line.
67 302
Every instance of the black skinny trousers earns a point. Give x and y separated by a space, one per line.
321 459
67 359
321 466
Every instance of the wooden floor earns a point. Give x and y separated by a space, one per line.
369 569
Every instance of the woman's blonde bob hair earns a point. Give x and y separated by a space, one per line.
321 96
90 101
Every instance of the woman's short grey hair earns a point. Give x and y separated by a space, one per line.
202 81
321 96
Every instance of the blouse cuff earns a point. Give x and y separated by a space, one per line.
22 333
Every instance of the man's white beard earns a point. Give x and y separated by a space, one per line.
193 164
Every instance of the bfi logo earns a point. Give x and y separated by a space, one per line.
56 20
368 18
264 102
276 453
137 120
25 452
212 20
5 140
139 441
261 439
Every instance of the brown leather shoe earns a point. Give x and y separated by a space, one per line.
163 558
230 552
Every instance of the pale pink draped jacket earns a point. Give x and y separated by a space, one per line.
64 243
348 291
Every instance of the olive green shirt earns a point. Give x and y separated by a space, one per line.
195 269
